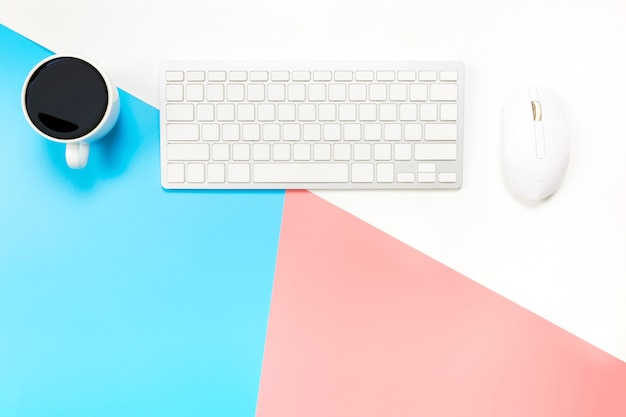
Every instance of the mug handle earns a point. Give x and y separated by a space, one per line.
77 154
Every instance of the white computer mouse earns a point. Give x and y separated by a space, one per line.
536 142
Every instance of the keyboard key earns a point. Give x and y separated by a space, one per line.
205 112
174 92
245 112
343 75
378 92
397 92
426 177
311 132
448 76
296 92
406 177
266 112
280 75
357 92
239 173
362 172
214 92
271 132
241 152
317 92
402 151
301 152
447 177
440 131
306 112
336 92
364 76
256 92
385 75
347 112
367 112
221 152
179 131
443 92
382 152
179 112
276 92
413 131
448 112
408 112
226 112
195 173
188 152
286 112
352 131
384 173
322 75
342 151
301 75
332 132
372 131
291 131
427 167
388 112
418 92
261 152
237 75
406 76
321 152
393 131
301 173
282 152
215 173
211 132
427 76
176 173
428 112
216 76
195 92
327 112
362 152
435 152
235 92
230 132
251 132
195 76
173 76
259 75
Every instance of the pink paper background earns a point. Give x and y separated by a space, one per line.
363 325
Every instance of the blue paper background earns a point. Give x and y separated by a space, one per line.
118 298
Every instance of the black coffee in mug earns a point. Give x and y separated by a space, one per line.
69 99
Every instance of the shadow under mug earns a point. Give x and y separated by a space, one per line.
69 99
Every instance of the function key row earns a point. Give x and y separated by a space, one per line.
340 75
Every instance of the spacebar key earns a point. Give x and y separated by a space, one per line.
300 173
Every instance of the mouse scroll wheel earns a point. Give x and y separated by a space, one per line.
537 115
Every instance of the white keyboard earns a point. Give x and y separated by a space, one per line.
311 125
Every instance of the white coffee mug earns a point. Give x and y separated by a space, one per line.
69 99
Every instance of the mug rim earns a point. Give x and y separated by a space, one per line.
112 96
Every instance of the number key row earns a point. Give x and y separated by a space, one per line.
327 112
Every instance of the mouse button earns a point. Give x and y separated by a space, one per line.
555 128
518 109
